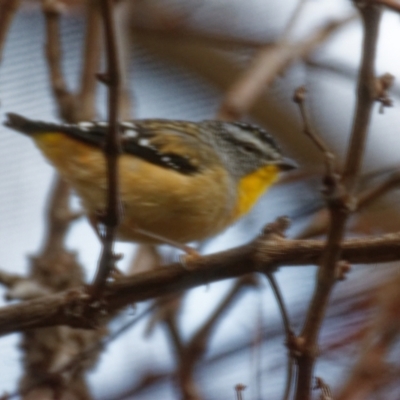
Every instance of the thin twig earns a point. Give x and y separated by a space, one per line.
299 98
112 149
324 388
339 202
239 389
288 332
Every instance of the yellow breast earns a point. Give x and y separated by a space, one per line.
252 186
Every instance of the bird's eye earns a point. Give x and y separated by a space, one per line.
249 147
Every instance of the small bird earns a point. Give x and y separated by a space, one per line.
179 180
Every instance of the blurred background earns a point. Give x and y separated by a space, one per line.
181 59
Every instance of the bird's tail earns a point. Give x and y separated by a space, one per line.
27 126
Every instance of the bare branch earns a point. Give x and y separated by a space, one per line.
70 307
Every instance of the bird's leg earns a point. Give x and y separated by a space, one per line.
191 253
95 221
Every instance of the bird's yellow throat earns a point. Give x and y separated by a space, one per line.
252 186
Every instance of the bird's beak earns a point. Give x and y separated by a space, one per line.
286 164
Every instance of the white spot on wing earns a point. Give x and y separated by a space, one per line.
144 142
85 125
130 133
129 125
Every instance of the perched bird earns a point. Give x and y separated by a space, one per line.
182 181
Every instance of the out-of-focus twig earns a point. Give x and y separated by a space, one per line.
266 66
370 195
45 350
60 218
64 98
93 348
216 41
320 221
390 4
189 354
193 352
8 8
221 70
125 47
371 369
288 332
85 107
81 106
293 20
277 230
